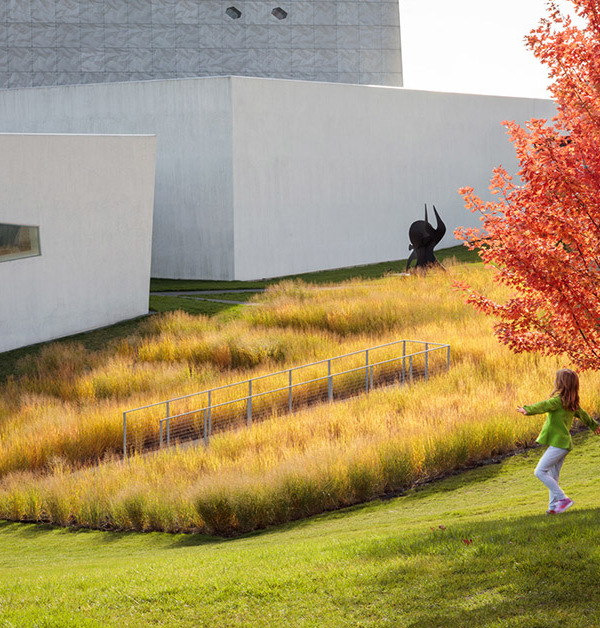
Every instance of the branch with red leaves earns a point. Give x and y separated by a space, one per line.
542 234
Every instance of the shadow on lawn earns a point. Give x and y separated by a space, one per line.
32 531
28 530
477 574
25 529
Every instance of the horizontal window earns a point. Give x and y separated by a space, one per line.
18 241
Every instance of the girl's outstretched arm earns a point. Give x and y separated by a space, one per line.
541 407
585 418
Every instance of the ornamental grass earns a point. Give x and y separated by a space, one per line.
60 415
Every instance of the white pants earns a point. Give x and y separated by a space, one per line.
548 470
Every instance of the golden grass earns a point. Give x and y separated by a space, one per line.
321 458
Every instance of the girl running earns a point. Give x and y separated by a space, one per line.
560 409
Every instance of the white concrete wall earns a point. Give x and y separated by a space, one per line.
262 177
193 221
92 199
332 175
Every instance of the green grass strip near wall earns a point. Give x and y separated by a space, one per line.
370 271
472 550
160 303
229 296
177 285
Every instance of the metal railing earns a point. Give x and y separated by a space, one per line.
241 403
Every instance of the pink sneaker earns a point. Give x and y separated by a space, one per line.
550 512
563 504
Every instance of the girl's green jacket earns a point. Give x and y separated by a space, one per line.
558 422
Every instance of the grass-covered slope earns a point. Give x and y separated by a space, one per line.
474 550
60 417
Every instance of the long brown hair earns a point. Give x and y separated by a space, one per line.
567 387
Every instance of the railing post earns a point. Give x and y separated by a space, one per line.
160 438
249 405
367 370
329 381
448 359
205 428
168 424
426 358
209 414
403 369
372 377
410 370
290 399
124 435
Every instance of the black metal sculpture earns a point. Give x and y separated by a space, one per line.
423 238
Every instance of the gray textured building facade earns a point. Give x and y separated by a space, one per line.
62 42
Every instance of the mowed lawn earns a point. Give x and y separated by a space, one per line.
474 549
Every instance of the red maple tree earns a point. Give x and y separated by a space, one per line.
542 234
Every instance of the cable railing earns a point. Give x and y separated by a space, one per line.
200 415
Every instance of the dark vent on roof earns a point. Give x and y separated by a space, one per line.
279 13
233 13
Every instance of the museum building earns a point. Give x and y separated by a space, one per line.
285 142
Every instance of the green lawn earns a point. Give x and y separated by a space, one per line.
165 303
230 296
162 303
472 550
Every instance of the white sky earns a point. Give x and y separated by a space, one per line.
473 46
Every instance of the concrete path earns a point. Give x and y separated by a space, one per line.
199 295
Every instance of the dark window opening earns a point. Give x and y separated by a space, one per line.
279 13
18 241
234 13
